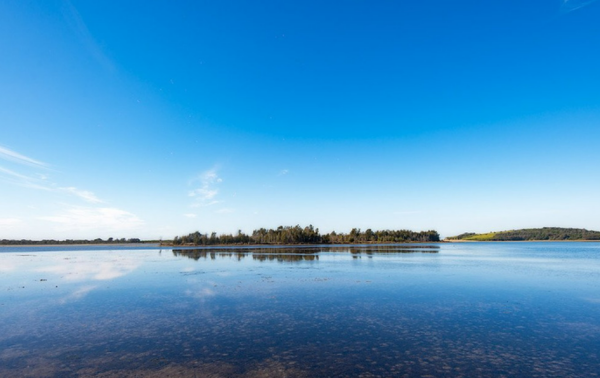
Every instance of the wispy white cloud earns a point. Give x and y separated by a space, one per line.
203 193
14 174
571 5
99 219
103 219
83 194
38 181
284 172
11 177
16 157
225 210
9 221
208 190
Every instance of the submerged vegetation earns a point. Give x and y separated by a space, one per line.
532 234
307 235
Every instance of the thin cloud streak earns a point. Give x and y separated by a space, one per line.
83 194
33 183
572 5
16 157
15 174
78 26
14 178
41 182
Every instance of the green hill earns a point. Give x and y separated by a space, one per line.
530 234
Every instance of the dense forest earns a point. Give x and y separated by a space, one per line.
307 235
530 234
69 241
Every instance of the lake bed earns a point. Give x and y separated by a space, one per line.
447 309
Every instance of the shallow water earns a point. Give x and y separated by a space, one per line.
443 310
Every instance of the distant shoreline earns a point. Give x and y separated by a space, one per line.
523 241
154 244
170 245
554 234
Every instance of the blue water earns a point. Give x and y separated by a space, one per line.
443 310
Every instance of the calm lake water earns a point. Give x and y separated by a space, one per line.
439 310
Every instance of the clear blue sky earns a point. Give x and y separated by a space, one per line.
154 119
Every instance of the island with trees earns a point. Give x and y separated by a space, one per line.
284 235
532 234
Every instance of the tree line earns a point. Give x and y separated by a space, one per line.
69 241
531 234
307 235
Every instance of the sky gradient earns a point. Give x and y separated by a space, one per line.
150 120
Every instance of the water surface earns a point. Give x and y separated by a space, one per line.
463 309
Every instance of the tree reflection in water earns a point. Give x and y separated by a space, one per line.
298 254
